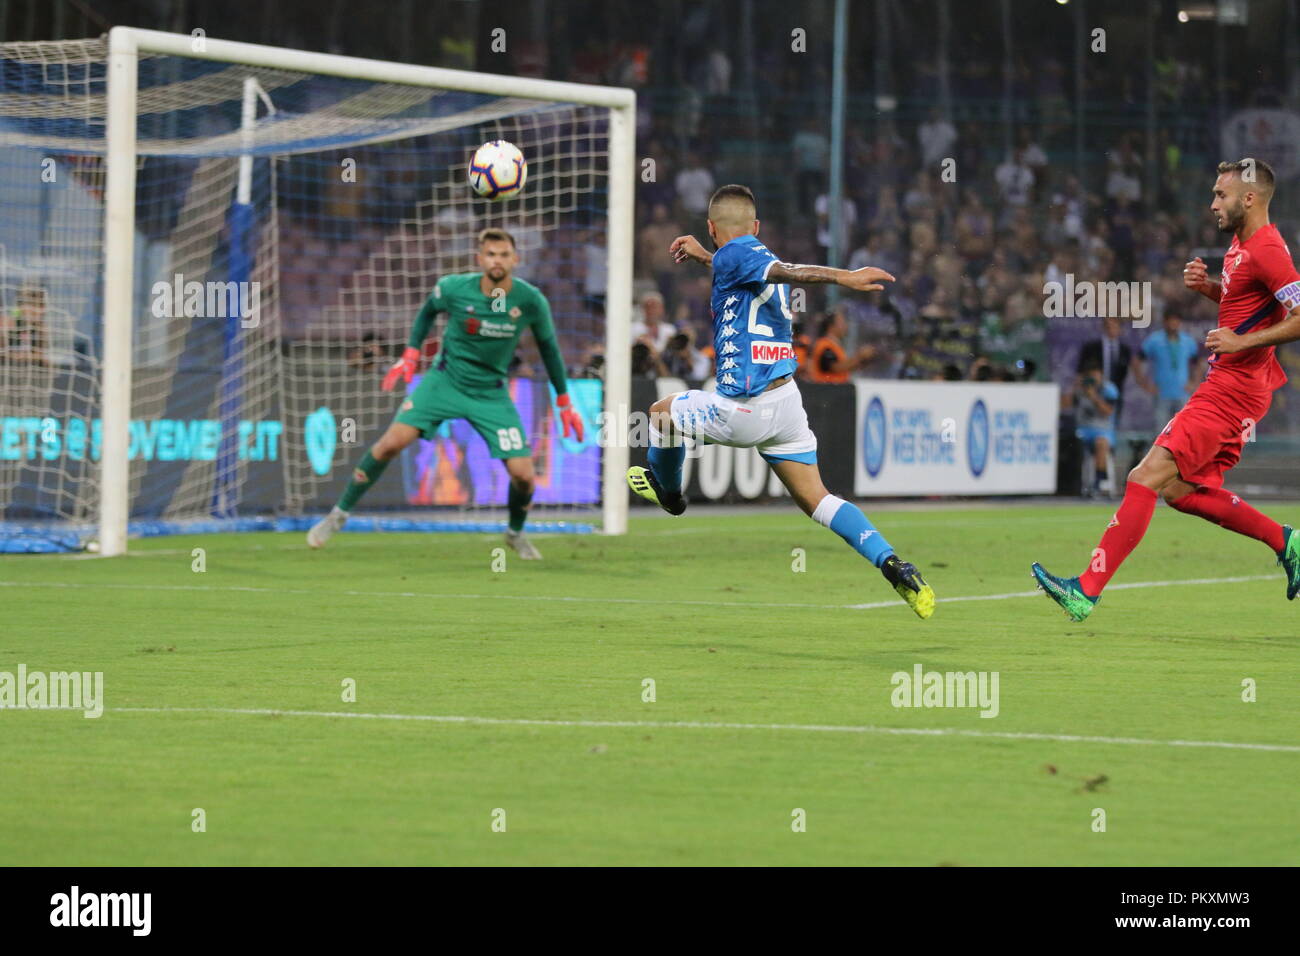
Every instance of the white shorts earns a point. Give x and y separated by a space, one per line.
774 422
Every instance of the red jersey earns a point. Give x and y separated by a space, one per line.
1260 286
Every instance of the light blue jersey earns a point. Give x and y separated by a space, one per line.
752 325
1171 362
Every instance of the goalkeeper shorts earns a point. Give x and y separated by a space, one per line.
491 413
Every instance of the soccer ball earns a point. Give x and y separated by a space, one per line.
498 170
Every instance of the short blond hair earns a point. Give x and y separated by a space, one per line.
495 234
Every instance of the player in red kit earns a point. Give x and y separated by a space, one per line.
1259 308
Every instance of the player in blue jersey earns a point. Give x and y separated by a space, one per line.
757 403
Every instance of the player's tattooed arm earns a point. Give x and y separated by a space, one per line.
1225 341
868 279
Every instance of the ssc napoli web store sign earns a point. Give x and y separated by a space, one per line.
955 438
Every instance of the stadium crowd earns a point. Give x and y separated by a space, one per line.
974 210
971 259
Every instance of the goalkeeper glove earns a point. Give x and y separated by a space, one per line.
569 416
403 368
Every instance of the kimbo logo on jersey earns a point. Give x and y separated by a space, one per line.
769 353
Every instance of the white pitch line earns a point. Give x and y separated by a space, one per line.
1133 585
569 599
702 725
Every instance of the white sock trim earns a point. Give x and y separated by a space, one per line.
826 509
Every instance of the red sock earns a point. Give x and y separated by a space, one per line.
1122 536
1229 511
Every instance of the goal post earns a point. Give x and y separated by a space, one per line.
127 141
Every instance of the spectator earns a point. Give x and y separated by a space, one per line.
1112 358
950 333
974 228
918 364
530 237
971 152
593 362
812 152
1035 158
25 337
658 191
887 217
653 260
683 360
848 220
1014 336
1073 205
651 327
717 76
1064 262
1095 413
1170 158
871 253
695 186
937 137
829 362
1015 181
1158 256
596 271
1124 179
802 347
1122 238
891 253
369 356
1172 355
645 363
919 199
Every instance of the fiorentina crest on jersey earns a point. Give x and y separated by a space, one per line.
1226 277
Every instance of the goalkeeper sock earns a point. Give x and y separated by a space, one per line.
518 500
364 475
666 462
848 521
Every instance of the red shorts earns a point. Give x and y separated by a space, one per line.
1206 437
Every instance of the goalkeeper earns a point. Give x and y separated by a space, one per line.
486 314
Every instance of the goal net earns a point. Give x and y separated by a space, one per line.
211 253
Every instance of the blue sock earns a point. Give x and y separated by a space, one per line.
847 520
666 463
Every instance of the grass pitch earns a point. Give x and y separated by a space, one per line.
783 684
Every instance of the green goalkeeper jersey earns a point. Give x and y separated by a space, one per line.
482 332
